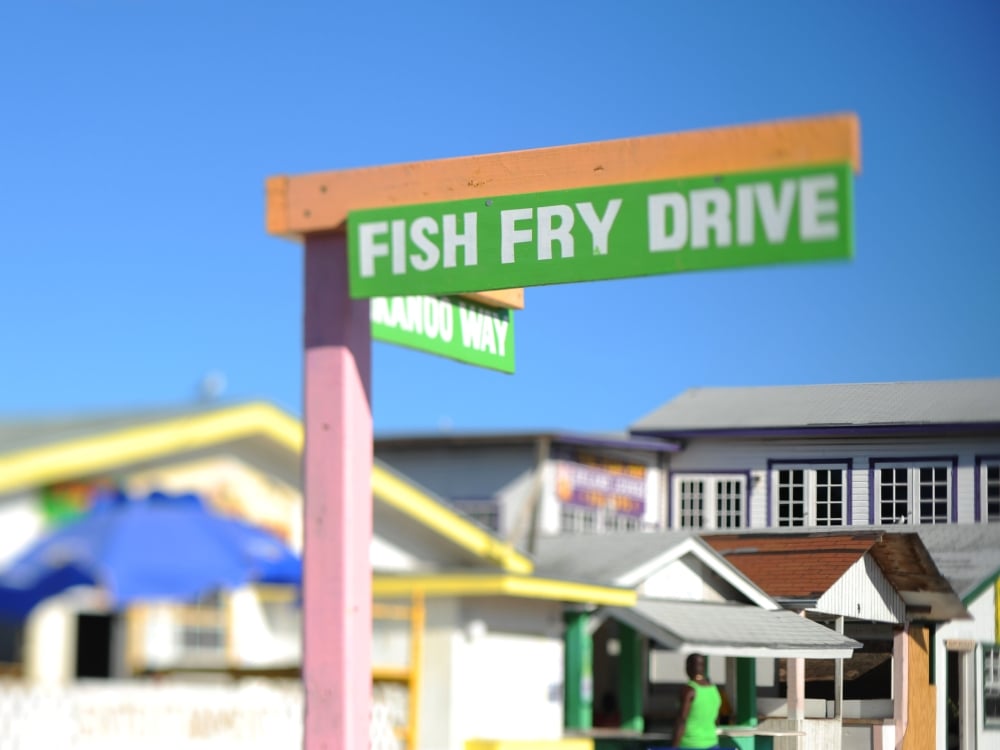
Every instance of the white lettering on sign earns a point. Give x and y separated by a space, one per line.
705 216
554 225
482 331
421 232
428 316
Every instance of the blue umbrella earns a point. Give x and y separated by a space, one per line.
161 548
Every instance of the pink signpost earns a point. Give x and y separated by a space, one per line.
338 514
314 208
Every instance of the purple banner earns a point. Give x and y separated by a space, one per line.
620 488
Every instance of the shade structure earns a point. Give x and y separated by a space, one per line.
158 548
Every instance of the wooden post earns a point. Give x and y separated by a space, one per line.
578 672
746 691
337 464
631 678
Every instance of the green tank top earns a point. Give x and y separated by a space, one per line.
700 729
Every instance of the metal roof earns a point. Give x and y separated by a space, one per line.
733 630
855 405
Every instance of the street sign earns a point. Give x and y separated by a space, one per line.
603 232
448 326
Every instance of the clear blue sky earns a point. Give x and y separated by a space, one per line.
135 138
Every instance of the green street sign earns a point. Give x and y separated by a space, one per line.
448 326
605 232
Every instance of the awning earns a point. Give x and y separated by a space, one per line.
730 629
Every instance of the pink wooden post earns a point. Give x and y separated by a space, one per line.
337 466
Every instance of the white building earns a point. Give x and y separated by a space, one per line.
923 456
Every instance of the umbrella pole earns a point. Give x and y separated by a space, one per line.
337 465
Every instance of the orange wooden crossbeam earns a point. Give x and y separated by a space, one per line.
319 202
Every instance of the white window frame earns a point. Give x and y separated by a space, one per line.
810 491
577 519
574 519
988 488
202 631
908 475
991 683
712 515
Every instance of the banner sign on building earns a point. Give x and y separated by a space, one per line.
447 326
603 232
598 483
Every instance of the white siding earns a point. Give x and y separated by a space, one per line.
691 579
863 592
980 629
485 661
21 523
753 454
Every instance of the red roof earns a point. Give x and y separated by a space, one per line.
793 566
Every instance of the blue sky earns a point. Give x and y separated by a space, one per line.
136 136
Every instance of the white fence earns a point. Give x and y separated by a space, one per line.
162 716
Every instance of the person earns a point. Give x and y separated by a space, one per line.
700 702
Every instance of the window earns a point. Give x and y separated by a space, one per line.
710 502
807 495
991 684
989 488
623 523
692 504
485 511
578 520
202 630
912 494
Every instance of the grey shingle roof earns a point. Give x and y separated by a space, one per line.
855 404
600 558
730 628
966 554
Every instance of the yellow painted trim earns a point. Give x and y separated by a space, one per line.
107 452
406 498
275 593
502 585
391 674
136 621
417 625
73 459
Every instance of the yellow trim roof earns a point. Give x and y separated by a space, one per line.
118 448
501 585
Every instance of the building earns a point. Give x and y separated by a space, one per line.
920 456
832 455
908 456
453 601
529 485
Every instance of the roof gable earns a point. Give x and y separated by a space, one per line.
412 517
793 567
628 559
805 566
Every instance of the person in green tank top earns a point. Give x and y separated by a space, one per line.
699 710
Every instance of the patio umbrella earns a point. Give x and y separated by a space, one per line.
161 548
